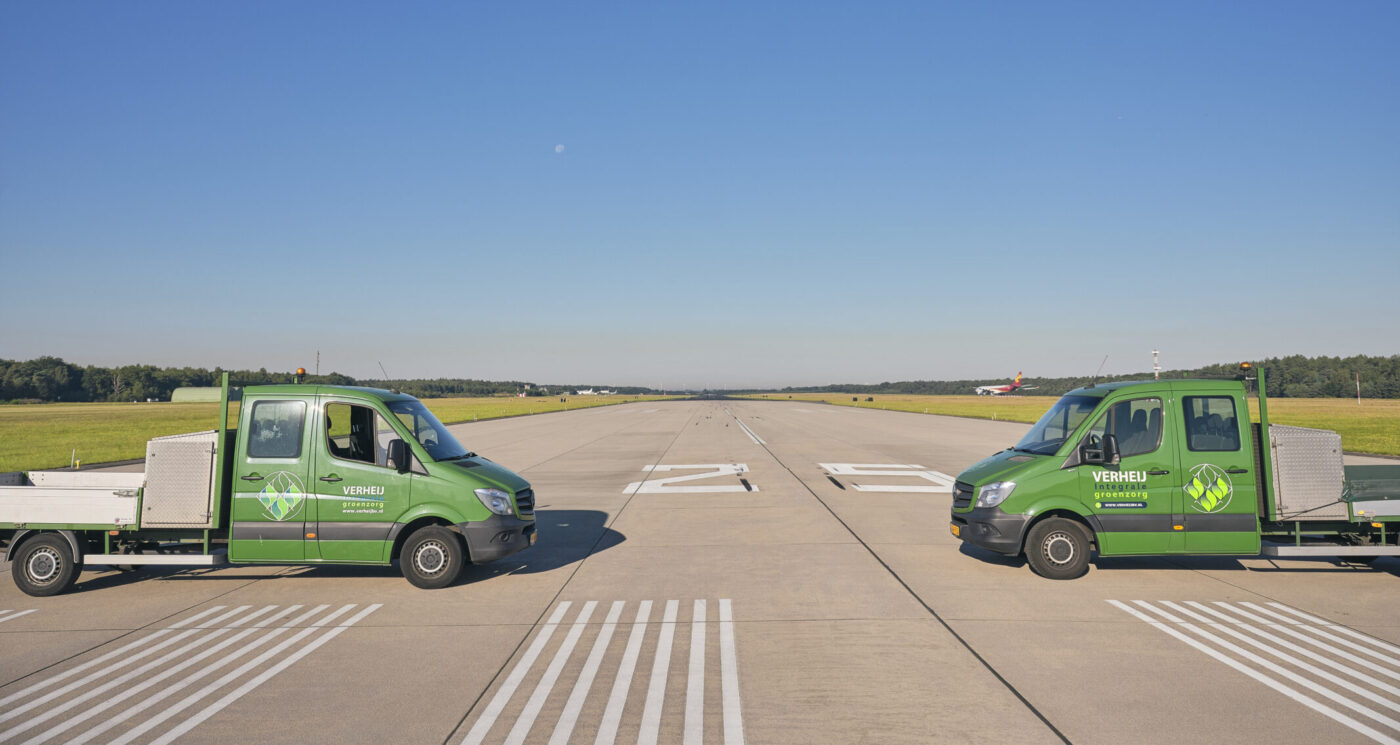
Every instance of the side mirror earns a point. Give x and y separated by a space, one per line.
1091 453
1110 450
398 455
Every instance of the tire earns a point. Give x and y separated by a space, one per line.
1057 548
431 557
44 566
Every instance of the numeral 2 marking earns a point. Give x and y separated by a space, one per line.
944 482
711 470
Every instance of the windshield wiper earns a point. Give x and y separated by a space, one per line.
457 457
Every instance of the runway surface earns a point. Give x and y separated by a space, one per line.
719 572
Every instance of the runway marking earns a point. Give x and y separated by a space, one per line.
752 435
943 482
1216 628
713 470
572 725
10 615
196 648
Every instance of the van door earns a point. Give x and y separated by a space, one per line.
1217 476
270 498
359 493
1135 498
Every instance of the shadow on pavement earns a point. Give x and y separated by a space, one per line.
1386 564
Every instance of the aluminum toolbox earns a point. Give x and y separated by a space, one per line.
1308 474
180 481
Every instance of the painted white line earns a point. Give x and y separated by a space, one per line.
660 671
1308 653
1313 704
238 693
53 711
1366 650
569 717
612 715
527 717
695 686
1314 641
1277 670
1294 661
220 619
1339 628
729 677
195 617
493 709
14 615
41 685
89 678
195 697
151 700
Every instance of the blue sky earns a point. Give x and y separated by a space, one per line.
747 194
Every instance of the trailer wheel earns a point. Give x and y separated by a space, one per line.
1057 548
431 557
44 566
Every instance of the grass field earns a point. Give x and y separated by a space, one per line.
1371 427
50 435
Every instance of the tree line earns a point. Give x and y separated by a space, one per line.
53 379
48 379
1295 376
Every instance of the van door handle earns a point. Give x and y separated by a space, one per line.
1237 470
252 477
331 478
1158 473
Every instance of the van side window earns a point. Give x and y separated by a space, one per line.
357 433
275 429
1136 424
1210 423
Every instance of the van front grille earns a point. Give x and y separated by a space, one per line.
962 495
525 502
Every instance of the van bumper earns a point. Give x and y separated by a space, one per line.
496 537
992 529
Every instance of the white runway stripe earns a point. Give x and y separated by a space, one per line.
493 710
649 719
612 716
10 615
1264 630
132 678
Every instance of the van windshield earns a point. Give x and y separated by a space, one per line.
1057 425
427 430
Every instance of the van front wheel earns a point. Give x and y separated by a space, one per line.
431 557
1058 549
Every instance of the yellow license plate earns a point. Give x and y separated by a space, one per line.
957 531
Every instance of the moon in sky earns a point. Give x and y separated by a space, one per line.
558 148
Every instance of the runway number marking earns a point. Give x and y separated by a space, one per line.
943 483
666 485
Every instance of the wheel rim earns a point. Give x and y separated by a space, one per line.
43 565
430 558
1059 548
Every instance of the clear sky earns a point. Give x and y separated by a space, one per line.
703 194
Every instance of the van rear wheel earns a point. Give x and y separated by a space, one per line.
1057 548
44 566
431 557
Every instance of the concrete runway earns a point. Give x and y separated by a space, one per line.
719 572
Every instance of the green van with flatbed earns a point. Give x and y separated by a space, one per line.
1173 467
295 474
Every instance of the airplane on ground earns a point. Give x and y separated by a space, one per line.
586 392
1002 390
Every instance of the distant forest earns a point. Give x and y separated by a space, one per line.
51 379
1287 377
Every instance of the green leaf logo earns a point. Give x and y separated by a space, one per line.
1209 488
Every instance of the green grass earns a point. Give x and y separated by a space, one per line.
1371 427
47 435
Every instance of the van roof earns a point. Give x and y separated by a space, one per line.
1186 385
354 391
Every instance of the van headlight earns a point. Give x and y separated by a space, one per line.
495 500
993 494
